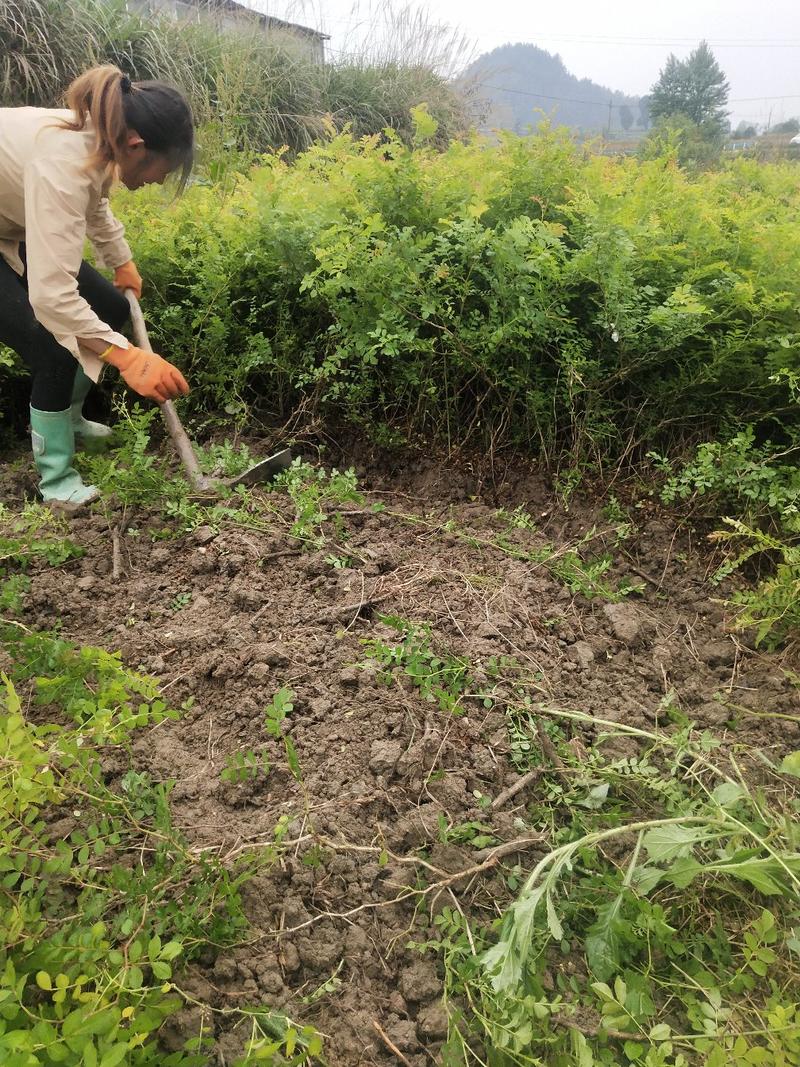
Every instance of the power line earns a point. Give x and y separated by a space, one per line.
755 99
654 44
684 40
610 38
724 42
544 96
621 39
604 103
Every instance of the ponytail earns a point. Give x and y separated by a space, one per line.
98 93
157 112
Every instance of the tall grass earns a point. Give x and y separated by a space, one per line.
266 90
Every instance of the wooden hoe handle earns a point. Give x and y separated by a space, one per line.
183 445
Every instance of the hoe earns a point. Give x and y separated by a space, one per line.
263 471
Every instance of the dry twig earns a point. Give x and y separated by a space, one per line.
489 858
516 787
549 749
389 1043
116 555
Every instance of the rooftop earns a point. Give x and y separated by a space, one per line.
266 20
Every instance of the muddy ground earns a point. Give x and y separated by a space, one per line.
229 616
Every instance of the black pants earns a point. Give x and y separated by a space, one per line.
51 366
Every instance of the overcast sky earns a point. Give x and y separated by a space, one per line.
622 44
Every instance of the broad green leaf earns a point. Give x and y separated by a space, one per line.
603 990
504 961
596 797
718 1057
171 950
291 758
604 940
660 1032
791 764
115 1055
729 793
665 843
553 922
683 871
647 878
764 874
502 966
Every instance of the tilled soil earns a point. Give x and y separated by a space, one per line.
230 616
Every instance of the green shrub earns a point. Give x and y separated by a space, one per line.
517 293
753 480
772 607
758 487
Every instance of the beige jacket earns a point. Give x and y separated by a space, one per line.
52 202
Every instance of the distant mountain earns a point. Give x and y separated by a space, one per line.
517 79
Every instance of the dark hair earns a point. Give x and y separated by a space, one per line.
158 112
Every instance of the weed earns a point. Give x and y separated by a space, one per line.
181 600
338 562
310 490
133 471
738 472
473 833
758 483
578 575
329 986
282 705
224 460
773 606
250 765
567 482
518 519
12 592
619 518
646 853
34 534
440 679
245 766
97 918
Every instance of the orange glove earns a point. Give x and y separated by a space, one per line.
146 373
128 277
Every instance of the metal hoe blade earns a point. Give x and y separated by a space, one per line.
264 471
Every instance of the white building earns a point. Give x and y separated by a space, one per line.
232 15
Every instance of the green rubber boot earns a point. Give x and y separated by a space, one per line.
91 431
53 439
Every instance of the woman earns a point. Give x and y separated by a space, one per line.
56 311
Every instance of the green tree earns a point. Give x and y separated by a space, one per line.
695 87
790 126
645 118
626 117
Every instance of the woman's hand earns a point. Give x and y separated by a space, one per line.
128 277
147 373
